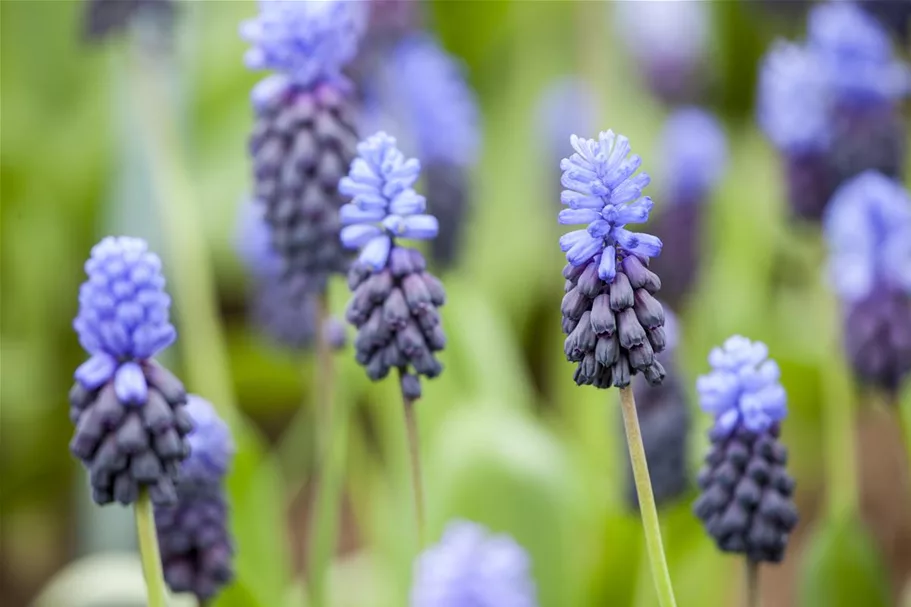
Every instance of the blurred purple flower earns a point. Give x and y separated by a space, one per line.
470 567
308 40
385 205
743 388
602 191
211 447
693 151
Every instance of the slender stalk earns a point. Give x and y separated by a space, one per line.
148 551
190 270
647 509
332 446
414 451
752 582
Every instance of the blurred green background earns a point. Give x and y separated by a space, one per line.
508 439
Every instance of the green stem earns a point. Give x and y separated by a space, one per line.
647 509
148 551
332 445
190 270
414 452
752 582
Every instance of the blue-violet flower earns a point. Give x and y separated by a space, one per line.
471 567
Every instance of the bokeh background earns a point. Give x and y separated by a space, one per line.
508 439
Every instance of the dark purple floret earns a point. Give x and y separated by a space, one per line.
878 337
614 331
869 135
196 547
746 501
193 536
810 179
303 141
396 312
679 226
127 446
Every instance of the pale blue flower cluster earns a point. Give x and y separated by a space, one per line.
470 567
307 40
743 388
439 105
123 316
693 153
602 191
868 228
211 447
384 204
847 59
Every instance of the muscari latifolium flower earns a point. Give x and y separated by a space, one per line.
131 423
305 134
420 90
868 229
746 500
395 300
693 153
193 535
613 322
470 566
276 309
664 421
831 105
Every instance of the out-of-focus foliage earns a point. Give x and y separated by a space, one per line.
508 439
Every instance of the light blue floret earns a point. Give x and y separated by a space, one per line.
307 40
743 387
123 316
470 567
868 228
602 191
384 204
211 447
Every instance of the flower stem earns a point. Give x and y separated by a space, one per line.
752 582
148 551
414 451
647 509
332 445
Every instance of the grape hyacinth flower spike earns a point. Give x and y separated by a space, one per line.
868 229
746 494
304 136
472 567
129 411
664 418
832 105
694 154
104 18
395 299
614 324
196 546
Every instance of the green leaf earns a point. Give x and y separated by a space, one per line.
843 568
257 519
236 595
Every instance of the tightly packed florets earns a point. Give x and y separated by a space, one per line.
123 315
385 205
743 388
310 41
694 154
440 106
868 228
193 535
746 500
602 191
471 567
